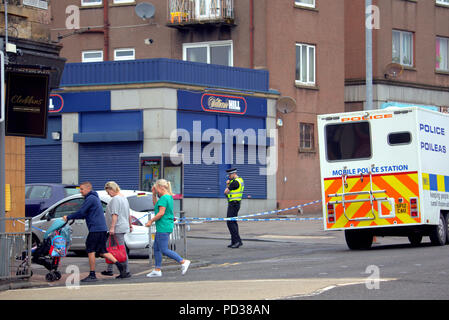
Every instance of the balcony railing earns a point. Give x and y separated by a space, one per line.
195 12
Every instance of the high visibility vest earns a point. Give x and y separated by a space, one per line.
236 195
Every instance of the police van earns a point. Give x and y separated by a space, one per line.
385 173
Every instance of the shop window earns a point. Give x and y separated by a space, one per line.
403 48
217 52
92 56
442 54
305 64
306 137
124 54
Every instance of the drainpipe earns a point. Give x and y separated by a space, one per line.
106 30
251 33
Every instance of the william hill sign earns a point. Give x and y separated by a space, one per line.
26 104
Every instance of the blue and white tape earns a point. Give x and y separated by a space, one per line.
244 218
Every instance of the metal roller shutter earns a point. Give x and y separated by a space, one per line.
249 170
43 164
116 161
201 180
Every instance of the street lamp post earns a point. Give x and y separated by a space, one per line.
369 56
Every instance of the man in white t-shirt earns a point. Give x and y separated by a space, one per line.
118 221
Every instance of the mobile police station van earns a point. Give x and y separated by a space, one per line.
385 173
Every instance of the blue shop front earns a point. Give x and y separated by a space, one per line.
100 127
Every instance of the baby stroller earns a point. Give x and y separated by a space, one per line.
56 243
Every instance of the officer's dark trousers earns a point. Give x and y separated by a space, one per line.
233 211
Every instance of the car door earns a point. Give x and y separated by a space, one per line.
79 227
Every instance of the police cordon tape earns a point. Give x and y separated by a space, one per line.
245 217
242 218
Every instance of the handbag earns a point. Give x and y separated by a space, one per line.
117 250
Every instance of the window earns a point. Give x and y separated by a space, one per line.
443 2
349 141
207 9
141 203
219 52
442 54
124 54
67 208
306 140
399 138
305 3
124 1
41 4
403 47
91 2
92 56
305 64
38 192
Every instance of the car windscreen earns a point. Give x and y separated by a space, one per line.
348 141
141 203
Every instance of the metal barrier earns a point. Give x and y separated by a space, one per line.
15 252
177 241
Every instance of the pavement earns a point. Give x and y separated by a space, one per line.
199 251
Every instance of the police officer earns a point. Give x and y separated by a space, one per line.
234 192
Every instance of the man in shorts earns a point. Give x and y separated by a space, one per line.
92 211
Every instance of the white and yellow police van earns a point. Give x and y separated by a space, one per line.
385 173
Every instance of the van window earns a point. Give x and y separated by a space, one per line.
399 138
348 141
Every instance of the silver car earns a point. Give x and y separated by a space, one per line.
141 208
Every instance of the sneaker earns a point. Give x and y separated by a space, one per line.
89 278
154 273
107 273
185 266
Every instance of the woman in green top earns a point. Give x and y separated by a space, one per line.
164 218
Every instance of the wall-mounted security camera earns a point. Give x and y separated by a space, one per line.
148 41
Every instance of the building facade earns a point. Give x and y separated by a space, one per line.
108 121
410 55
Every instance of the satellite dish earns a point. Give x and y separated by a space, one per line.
393 70
145 10
286 104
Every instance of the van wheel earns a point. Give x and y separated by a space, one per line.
415 239
438 235
358 239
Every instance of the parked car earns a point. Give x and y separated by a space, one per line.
40 196
141 207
